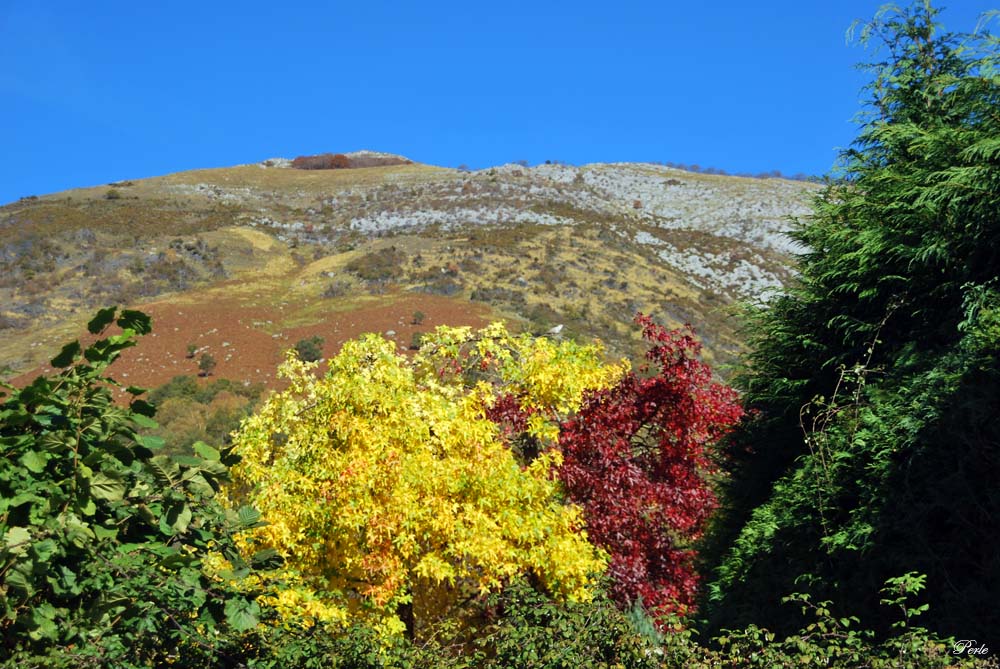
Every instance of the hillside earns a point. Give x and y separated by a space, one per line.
243 261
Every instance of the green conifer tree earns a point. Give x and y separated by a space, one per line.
874 451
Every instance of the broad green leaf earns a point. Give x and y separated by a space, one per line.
16 578
150 442
206 451
44 549
78 532
17 540
87 506
45 626
142 407
214 468
67 355
101 320
34 461
248 516
179 517
164 470
144 421
108 488
198 485
135 320
55 441
241 614
103 533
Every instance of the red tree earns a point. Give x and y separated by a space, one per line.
636 460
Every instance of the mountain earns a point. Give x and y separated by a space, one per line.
243 261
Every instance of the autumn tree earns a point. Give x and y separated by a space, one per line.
393 498
637 459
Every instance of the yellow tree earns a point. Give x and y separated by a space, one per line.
387 489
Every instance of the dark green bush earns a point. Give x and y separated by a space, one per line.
309 349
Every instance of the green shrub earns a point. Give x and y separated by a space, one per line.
206 363
309 349
533 630
101 539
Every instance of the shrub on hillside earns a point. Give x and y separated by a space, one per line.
336 289
309 349
323 161
381 265
206 363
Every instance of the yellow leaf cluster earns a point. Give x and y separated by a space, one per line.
545 374
384 482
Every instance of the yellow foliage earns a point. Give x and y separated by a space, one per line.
383 482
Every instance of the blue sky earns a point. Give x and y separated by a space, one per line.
92 92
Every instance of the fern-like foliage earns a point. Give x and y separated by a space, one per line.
871 381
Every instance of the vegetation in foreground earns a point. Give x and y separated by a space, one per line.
114 555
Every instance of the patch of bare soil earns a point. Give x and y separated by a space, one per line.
248 342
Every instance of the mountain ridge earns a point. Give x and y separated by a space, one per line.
587 246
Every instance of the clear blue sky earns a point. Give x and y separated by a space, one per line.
98 91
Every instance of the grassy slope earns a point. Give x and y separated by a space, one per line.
587 247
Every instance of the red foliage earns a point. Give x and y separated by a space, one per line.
636 460
324 161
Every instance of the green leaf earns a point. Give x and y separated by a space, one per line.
164 470
17 540
136 390
206 451
150 442
101 320
45 626
135 320
87 506
143 408
16 578
215 469
248 516
266 559
199 486
241 614
34 461
144 421
179 517
44 549
103 533
67 355
110 488
78 532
